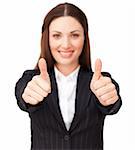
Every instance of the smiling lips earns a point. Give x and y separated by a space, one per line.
66 54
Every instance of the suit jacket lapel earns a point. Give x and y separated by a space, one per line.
83 94
53 101
82 97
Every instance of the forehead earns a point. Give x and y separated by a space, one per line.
65 23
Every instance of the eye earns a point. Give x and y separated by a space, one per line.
56 36
75 35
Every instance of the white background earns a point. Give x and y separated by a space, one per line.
111 30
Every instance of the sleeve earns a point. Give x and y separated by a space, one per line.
19 89
113 108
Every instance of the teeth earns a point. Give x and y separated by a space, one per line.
66 54
65 51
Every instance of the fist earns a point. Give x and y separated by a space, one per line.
39 87
102 86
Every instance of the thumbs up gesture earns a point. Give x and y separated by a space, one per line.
102 86
39 87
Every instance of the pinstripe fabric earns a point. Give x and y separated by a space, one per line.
48 131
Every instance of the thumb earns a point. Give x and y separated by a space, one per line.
43 68
98 67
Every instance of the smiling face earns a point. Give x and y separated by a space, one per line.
66 39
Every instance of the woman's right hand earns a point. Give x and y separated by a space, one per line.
39 87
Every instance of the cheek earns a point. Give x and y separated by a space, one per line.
53 47
78 45
53 43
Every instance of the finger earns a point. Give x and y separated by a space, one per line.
105 89
29 99
101 83
43 68
98 67
108 95
110 101
44 84
35 87
33 94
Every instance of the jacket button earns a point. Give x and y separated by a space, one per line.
66 137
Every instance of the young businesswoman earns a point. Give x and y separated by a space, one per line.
66 101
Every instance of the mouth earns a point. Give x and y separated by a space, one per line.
66 54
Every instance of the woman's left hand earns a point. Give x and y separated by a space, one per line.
103 87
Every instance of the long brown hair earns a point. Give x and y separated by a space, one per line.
65 9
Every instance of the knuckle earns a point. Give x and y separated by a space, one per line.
34 102
35 77
111 94
107 103
117 97
98 93
101 98
115 92
47 87
45 94
26 91
103 102
95 85
29 84
40 98
23 95
113 86
108 79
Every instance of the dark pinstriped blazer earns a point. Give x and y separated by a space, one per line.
48 131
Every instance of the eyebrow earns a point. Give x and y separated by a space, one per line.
70 32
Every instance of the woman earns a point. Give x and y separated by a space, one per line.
67 102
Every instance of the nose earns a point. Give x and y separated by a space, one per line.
65 43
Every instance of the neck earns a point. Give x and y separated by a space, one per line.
66 69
